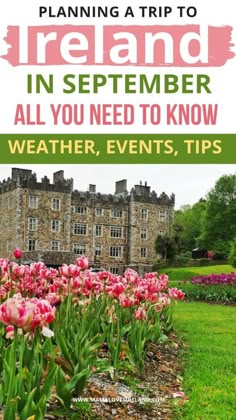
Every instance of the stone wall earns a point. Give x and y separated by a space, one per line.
119 212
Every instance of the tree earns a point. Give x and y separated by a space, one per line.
220 217
232 255
166 247
189 225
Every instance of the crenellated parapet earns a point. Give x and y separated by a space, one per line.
25 178
97 198
141 193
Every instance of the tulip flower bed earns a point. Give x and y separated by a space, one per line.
219 288
215 279
55 323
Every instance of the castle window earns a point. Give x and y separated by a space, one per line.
32 223
143 252
144 214
116 251
98 250
116 213
113 270
31 245
162 232
81 210
143 233
55 225
33 201
162 215
98 212
116 232
99 230
56 204
79 249
55 245
80 229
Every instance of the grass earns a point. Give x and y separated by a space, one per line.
185 273
210 362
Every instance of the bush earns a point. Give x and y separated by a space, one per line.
181 260
204 261
160 263
187 254
217 255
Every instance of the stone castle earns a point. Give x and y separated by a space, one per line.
54 223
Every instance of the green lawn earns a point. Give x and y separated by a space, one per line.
209 361
185 273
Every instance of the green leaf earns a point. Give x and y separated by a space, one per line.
73 382
46 388
61 387
125 329
28 410
10 411
1 395
40 408
63 346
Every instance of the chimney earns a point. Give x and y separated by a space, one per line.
121 187
92 188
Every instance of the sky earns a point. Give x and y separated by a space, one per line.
189 183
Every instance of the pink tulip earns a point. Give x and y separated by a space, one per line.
71 270
3 266
44 313
17 253
16 311
141 294
158 307
125 301
74 270
53 299
83 262
153 298
64 270
116 290
140 313
163 282
10 331
36 267
18 270
3 292
26 313
104 275
164 299
131 276
150 276
176 293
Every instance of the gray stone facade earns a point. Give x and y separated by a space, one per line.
54 223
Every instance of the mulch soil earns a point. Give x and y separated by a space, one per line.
153 396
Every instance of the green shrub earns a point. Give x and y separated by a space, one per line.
204 261
218 256
181 260
160 263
